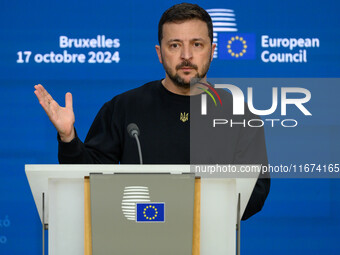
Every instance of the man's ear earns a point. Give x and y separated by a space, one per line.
159 54
213 47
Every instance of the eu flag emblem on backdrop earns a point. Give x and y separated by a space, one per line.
236 46
150 212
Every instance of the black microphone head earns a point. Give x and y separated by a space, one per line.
133 129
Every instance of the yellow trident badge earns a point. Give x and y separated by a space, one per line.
184 117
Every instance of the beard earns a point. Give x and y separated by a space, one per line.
178 80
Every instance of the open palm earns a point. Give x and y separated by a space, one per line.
61 117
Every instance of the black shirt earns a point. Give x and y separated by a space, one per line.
166 137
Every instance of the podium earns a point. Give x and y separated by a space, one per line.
58 192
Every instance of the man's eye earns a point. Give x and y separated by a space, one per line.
197 44
174 45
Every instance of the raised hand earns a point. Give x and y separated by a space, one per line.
61 117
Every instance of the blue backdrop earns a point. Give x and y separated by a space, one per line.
300 216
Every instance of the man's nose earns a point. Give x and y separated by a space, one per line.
186 52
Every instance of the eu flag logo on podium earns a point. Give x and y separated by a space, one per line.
150 212
236 46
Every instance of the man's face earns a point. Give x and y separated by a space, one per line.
186 51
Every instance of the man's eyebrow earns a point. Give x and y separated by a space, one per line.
178 40
174 40
197 39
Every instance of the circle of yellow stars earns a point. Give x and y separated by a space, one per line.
152 208
237 54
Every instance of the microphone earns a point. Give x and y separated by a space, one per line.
133 131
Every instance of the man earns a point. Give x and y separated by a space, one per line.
185 50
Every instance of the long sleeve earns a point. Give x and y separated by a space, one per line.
101 146
251 149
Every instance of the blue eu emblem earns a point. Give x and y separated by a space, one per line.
150 212
236 46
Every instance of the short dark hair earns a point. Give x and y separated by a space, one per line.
182 12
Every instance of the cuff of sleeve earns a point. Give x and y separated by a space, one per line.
69 149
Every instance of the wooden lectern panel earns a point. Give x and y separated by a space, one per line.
197 218
87 218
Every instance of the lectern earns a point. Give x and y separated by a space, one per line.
58 192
